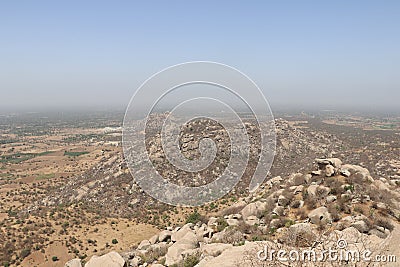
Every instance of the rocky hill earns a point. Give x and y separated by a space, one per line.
334 206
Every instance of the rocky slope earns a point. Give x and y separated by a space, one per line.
335 206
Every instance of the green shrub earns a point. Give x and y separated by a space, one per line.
191 260
195 217
221 224
25 253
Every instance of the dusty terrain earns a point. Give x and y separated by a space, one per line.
66 191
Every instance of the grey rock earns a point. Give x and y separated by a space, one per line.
112 259
164 235
320 216
74 263
144 245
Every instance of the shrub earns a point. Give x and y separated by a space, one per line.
295 204
54 258
195 217
191 260
221 224
333 209
310 202
153 254
114 241
25 253
384 223
301 214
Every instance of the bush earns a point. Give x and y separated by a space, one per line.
333 209
114 241
310 202
25 253
384 223
191 260
295 204
301 214
195 217
221 224
153 254
54 258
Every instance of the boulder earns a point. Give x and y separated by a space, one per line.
298 189
112 259
252 220
379 232
335 162
164 235
283 201
307 178
253 209
312 190
153 239
144 245
174 254
355 169
329 170
135 262
181 232
378 184
278 210
331 198
74 263
245 255
232 222
274 223
204 231
316 173
345 173
213 221
320 215
274 181
214 249
361 226
320 190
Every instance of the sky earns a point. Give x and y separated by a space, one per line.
323 54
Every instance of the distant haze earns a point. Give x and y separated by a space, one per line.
303 54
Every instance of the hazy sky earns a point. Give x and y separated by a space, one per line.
302 53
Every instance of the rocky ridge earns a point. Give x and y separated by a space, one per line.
312 210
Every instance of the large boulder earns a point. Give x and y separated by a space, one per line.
320 215
153 239
245 255
252 220
253 209
164 235
112 259
174 254
320 190
181 232
355 169
214 249
335 162
74 263
144 244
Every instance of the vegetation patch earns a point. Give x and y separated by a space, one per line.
75 154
